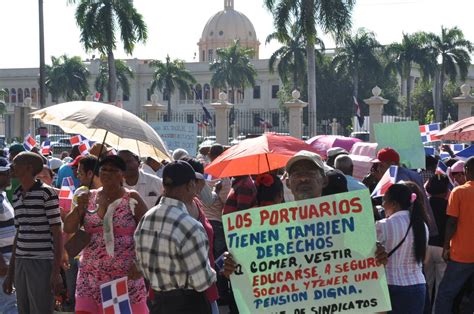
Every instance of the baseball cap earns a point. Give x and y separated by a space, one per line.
4 165
458 167
387 154
75 163
179 172
305 155
334 151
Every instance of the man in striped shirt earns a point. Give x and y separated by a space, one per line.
37 250
7 235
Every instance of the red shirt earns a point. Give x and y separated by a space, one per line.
242 195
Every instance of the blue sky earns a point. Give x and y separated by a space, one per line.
175 26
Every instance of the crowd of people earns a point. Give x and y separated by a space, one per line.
160 224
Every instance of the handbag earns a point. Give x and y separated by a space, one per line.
77 243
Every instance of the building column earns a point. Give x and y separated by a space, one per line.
222 109
375 103
153 110
465 102
295 108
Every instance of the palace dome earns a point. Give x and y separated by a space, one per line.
223 28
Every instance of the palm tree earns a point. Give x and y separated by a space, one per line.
169 76
291 56
359 54
67 77
99 20
124 72
331 16
232 69
402 56
449 56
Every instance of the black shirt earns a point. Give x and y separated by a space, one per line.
439 206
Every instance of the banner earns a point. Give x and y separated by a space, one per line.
178 135
405 139
313 256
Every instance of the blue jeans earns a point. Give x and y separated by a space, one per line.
407 299
7 302
455 276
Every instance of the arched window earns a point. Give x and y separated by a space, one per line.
13 95
20 96
207 91
198 94
27 92
34 96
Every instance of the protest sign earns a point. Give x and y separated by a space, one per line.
312 256
177 135
405 138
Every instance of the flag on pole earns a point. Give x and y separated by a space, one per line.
46 147
29 142
66 193
465 153
97 96
428 132
441 168
84 147
388 179
360 117
115 297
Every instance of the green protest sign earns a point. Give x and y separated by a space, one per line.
405 138
312 256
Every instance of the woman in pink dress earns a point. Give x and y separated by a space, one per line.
113 213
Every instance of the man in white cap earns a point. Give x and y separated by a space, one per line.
306 180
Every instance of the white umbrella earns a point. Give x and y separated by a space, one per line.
102 122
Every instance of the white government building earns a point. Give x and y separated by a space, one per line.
220 31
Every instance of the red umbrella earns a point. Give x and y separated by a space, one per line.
256 155
321 143
462 131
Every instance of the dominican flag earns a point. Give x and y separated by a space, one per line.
84 148
115 298
77 139
465 153
456 148
389 178
29 142
428 132
66 193
46 147
441 168
360 117
97 96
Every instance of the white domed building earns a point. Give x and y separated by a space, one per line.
220 31
223 28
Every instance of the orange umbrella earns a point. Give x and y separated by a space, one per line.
256 155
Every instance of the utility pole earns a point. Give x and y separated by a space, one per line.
42 88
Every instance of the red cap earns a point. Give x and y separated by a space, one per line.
75 163
387 154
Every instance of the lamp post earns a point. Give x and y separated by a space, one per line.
42 88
